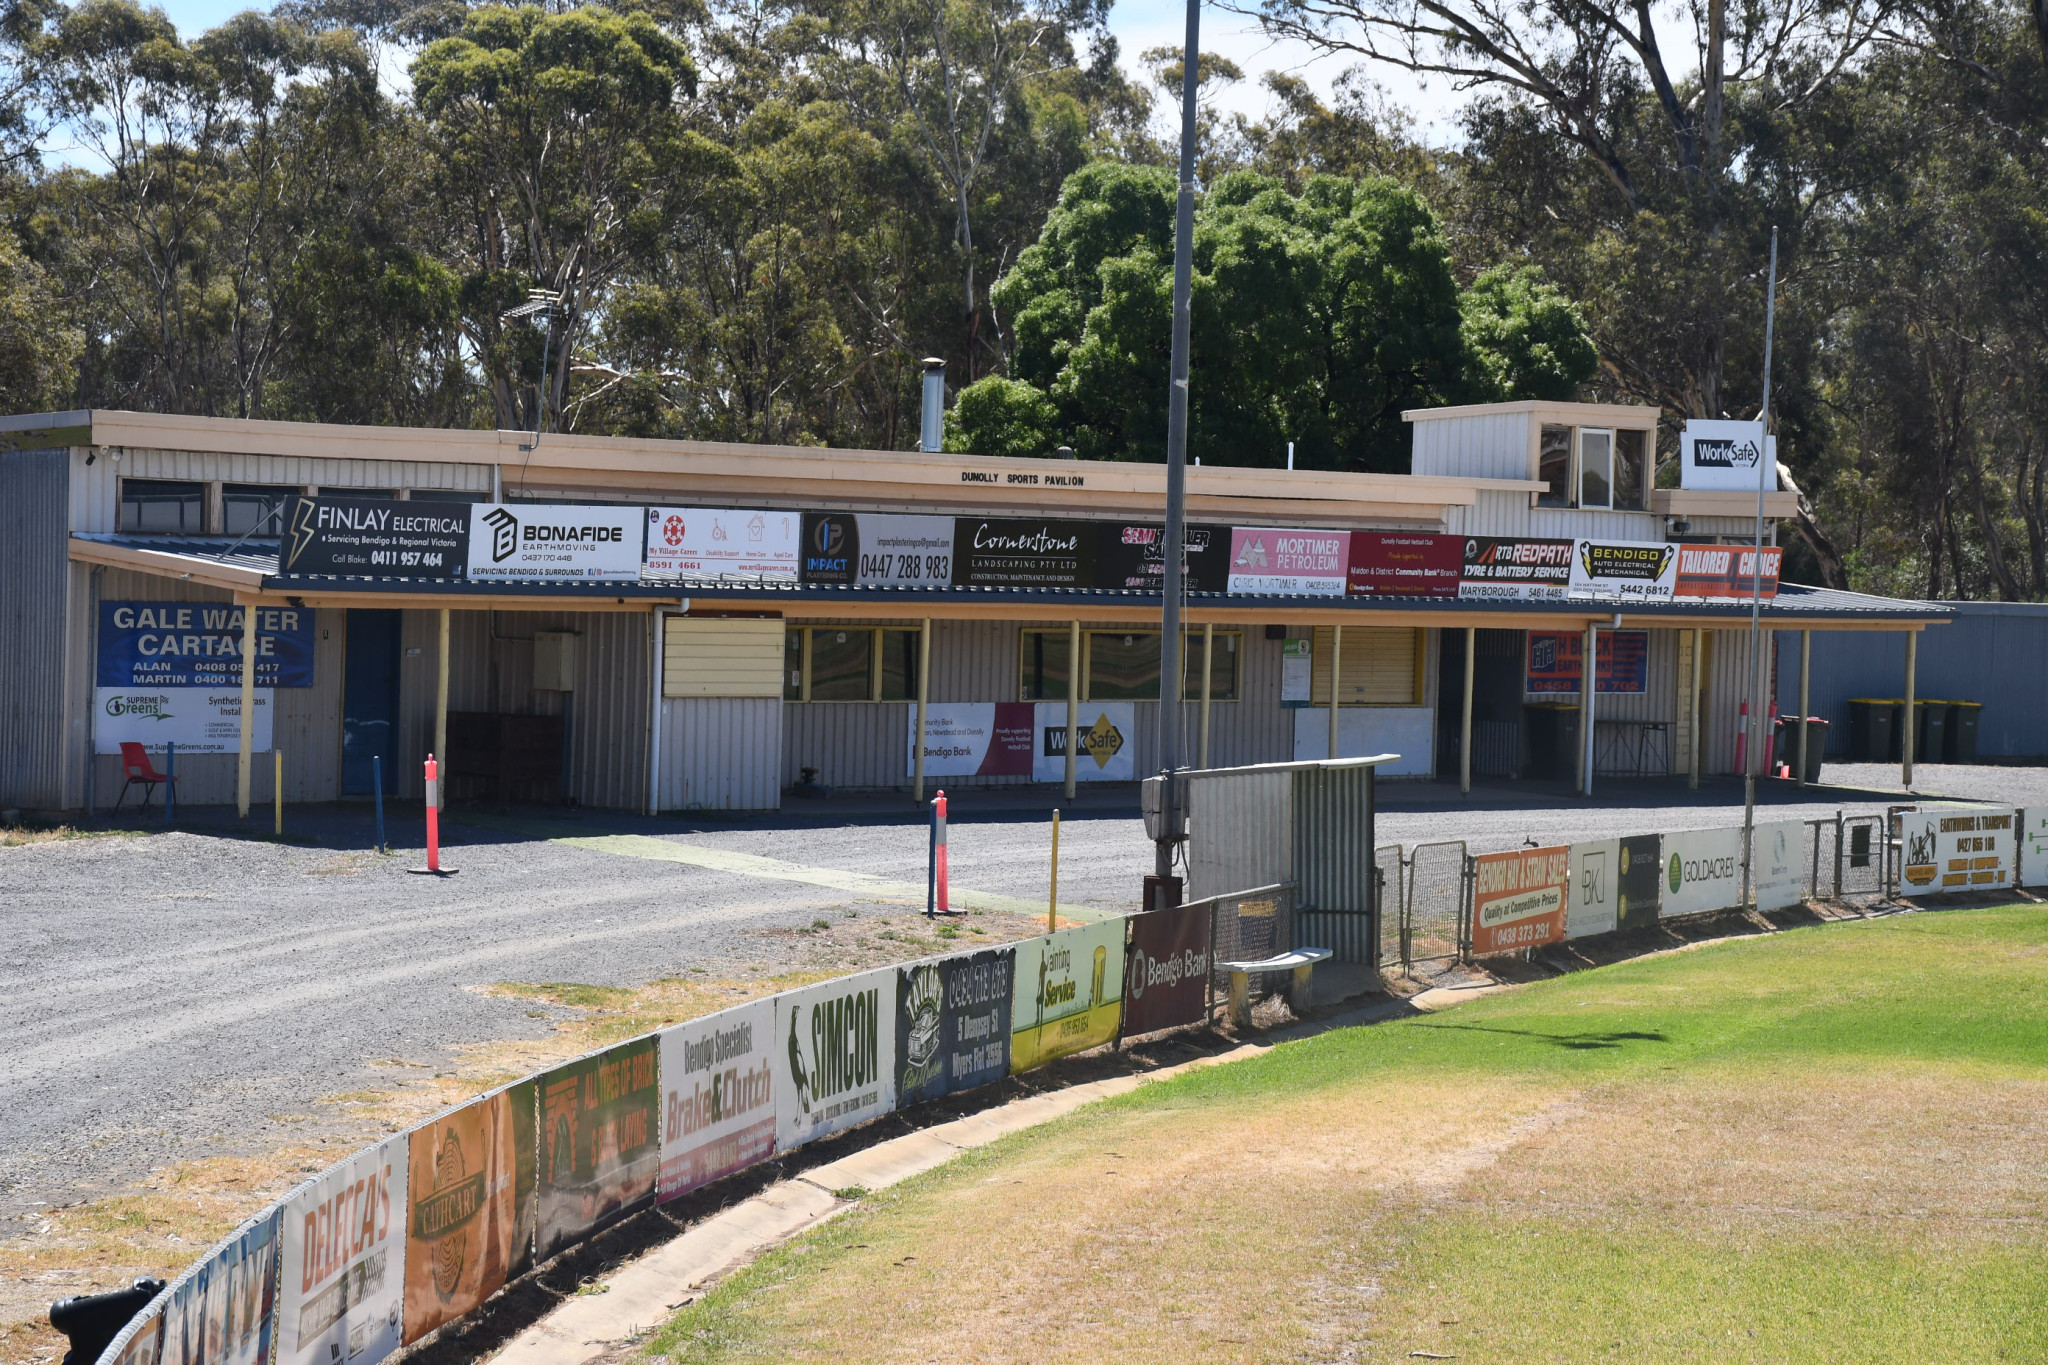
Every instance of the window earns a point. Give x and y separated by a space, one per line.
157 507
1631 471
1382 666
1554 467
1121 665
849 663
1596 467
253 509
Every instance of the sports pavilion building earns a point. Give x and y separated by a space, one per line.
677 625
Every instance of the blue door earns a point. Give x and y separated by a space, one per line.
369 700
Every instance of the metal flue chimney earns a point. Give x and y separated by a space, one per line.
933 437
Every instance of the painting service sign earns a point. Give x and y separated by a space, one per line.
1131 557
953 1023
220 1313
718 542
837 1043
341 1288
718 1096
1518 899
469 1219
1702 871
375 538
1523 569
1107 740
856 550
517 542
1627 571
1166 969
1069 993
1289 562
973 739
1709 571
1956 850
1019 553
1386 563
600 1149
1722 456
155 645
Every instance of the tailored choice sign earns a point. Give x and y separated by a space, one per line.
513 542
1394 563
953 1023
342 1283
1518 898
718 1096
1702 871
153 645
1166 969
1106 739
863 550
1557 661
469 1202
1726 571
1623 571
1289 562
837 1041
1012 552
363 537
719 542
1069 993
973 739
1722 456
1956 850
1131 556
600 1143
1519 569
220 1312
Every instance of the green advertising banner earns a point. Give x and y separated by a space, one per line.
1069 993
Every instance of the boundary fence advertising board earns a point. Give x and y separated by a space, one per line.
1518 899
1954 850
718 1109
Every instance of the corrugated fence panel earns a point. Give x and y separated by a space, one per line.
33 582
721 753
95 497
1485 445
1238 837
1333 860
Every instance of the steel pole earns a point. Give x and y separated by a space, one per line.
1805 695
1764 470
1465 719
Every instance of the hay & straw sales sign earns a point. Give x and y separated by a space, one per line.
1518 899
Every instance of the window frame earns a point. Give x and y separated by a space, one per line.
1085 693
878 644
284 492
204 489
1579 468
1575 466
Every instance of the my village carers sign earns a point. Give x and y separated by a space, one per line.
149 645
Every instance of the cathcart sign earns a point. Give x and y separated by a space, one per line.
1518 899
512 542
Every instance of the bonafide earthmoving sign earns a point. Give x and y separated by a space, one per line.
836 1042
1956 850
1518 898
718 1096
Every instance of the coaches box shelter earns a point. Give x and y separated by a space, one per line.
678 625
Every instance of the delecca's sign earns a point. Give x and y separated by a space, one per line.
362 537
1518 899
719 542
1289 562
1522 569
199 644
510 542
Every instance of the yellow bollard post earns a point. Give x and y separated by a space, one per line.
1052 900
277 788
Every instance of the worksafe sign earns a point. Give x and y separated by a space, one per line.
154 645
1723 456
835 1054
718 1096
376 538
514 542
1107 742
1518 899
718 542
199 720
1942 850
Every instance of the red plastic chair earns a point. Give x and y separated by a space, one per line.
135 763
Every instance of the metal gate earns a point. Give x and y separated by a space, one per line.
1433 913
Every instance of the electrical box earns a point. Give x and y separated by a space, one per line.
554 660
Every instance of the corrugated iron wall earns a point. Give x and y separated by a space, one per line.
95 495
1333 861
1238 833
1498 513
721 753
1484 446
33 585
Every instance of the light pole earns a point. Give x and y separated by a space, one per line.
1765 467
539 301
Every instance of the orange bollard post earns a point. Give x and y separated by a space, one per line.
433 867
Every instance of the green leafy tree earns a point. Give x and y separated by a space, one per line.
1523 338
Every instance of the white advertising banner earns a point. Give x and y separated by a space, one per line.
1590 906
1702 871
718 1096
1107 731
523 541
1623 571
2034 848
199 720
1722 456
220 1311
341 1284
837 1042
718 542
973 739
1956 850
1265 559
1780 864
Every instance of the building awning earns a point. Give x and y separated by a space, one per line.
250 568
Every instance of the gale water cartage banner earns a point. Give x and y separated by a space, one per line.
341 1286
1517 569
1265 559
600 1142
953 1023
375 538
973 739
1623 571
1518 899
155 645
1702 871
836 1045
863 550
1131 557
718 1088
1780 864
1955 850
719 542
1108 742
1015 552
1069 993
1166 969
511 542
469 1206
222 1311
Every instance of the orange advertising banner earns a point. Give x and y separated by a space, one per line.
470 1205
1518 899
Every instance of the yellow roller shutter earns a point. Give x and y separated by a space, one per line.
714 657
1382 666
